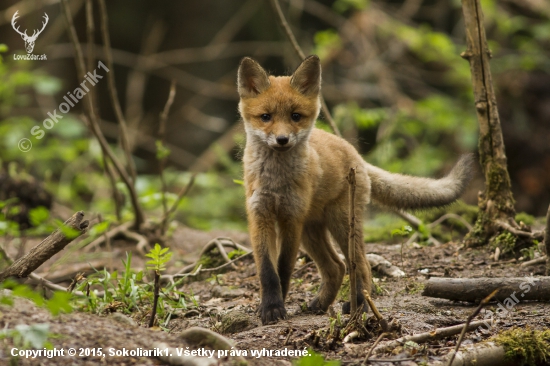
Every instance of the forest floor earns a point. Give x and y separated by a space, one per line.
227 304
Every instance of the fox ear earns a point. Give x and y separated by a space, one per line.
252 78
307 77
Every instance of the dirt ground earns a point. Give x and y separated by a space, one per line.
227 305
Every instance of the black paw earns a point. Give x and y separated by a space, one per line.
346 307
271 313
316 307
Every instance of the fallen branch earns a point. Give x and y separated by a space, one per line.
428 336
539 260
108 236
219 243
200 270
142 242
54 243
475 289
485 354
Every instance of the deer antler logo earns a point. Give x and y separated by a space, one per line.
29 40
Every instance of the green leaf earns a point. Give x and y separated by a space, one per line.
38 215
60 302
238 181
69 232
35 335
47 85
99 228
27 293
162 151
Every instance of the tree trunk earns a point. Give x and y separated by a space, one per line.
496 202
547 241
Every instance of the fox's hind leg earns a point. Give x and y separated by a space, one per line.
338 224
317 244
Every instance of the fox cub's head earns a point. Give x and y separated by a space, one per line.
279 111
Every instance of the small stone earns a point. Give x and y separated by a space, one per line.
121 318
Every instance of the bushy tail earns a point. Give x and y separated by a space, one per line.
407 192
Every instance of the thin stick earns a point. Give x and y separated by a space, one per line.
516 232
351 243
300 53
113 92
92 121
366 360
372 306
117 198
429 336
214 244
483 302
162 165
182 194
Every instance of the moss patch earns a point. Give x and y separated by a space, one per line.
529 347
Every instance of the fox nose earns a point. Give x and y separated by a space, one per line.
282 140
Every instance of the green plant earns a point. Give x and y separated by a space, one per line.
157 264
58 303
314 359
25 336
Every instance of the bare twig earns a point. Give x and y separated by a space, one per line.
108 235
162 163
366 360
483 302
372 306
142 242
300 53
428 336
517 232
92 120
351 243
113 92
52 286
214 243
117 197
182 194
532 262
451 216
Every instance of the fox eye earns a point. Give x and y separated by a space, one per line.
296 117
265 117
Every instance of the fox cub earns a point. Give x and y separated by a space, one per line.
296 188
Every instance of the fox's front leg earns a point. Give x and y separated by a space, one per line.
290 233
264 245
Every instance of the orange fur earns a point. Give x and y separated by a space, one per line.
296 188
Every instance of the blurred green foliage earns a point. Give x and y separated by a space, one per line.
421 136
